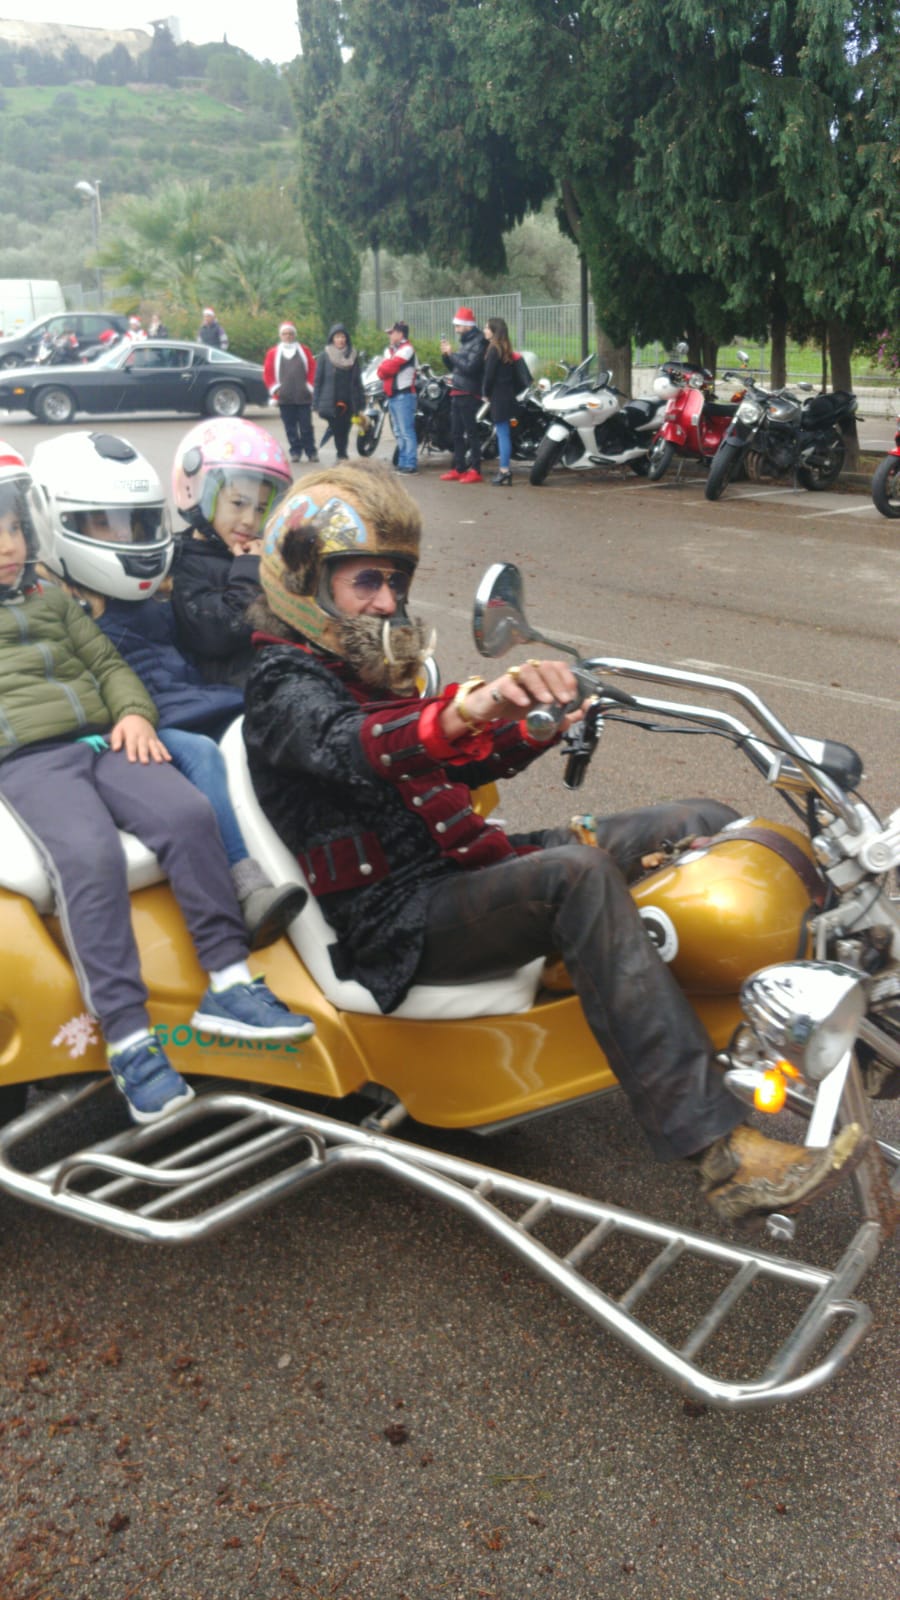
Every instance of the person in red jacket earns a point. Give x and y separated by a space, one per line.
289 372
398 374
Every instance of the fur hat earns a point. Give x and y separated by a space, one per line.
354 509
465 318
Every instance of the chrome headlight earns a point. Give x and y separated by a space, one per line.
749 411
807 1012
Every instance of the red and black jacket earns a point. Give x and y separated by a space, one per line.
374 803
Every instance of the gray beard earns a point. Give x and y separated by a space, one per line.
361 644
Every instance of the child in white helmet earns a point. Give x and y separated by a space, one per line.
80 758
108 538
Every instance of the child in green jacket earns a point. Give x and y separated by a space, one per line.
79 759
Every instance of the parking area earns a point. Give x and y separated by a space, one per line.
357 1397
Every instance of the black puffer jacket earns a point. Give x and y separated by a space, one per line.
373 819
211 590
467 363
143 632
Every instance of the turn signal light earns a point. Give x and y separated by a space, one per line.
770 1093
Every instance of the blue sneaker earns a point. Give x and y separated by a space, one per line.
151 1086
249 1011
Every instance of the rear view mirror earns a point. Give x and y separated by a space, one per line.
499 621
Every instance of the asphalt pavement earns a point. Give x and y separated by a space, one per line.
355 1395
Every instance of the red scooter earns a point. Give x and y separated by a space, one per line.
886 482
694 423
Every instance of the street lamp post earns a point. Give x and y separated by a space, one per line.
91 192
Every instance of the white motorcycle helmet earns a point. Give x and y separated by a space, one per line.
106 513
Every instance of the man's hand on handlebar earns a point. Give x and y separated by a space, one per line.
513 695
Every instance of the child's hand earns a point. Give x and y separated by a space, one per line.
138 738
248 547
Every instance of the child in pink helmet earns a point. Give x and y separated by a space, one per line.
227 476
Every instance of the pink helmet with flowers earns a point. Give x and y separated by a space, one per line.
217 452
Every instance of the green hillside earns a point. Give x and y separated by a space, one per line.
131 139
231 124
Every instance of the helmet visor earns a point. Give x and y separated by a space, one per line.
16 508
240 496
127 526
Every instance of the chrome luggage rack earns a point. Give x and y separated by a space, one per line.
198 1172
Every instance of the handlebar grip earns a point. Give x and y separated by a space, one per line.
576 768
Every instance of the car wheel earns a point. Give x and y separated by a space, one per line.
54 406
225 400
9 361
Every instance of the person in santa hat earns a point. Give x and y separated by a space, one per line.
466 364
289 372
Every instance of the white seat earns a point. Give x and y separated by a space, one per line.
22 868
311 935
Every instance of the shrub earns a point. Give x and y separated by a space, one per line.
248 336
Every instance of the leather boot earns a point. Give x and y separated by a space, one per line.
745 1174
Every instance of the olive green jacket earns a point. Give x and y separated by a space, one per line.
59 675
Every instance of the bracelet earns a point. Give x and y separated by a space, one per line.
459 703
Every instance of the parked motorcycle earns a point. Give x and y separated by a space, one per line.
886 481
60 349
732 916
374 411
775 432
591 423
694 423
433 427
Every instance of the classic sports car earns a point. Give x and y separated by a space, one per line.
155 375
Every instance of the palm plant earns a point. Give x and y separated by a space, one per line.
257 275
163 242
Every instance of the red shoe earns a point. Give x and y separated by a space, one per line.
471 476
451 477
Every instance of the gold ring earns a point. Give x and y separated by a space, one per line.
513 672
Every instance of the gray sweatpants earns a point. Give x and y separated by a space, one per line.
70 801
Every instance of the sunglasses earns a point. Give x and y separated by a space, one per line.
372 579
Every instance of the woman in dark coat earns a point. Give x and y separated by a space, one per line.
502 382
338 395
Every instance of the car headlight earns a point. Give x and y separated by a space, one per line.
749 411
806 1012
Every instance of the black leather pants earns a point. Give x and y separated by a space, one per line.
574 900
